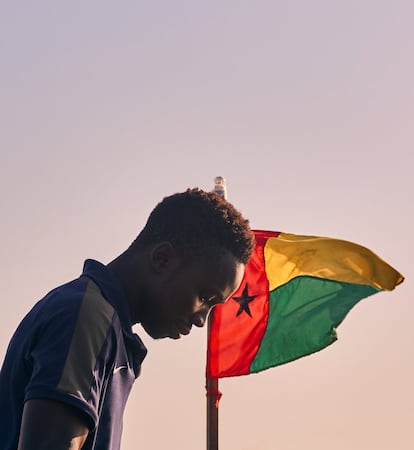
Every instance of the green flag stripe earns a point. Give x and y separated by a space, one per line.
302 318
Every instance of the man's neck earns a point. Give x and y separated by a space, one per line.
127 268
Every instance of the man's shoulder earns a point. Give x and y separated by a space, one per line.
94 305
73 297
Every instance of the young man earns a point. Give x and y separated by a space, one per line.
72 361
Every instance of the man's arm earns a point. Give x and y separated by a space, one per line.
51 425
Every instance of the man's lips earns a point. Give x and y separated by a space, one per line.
183 328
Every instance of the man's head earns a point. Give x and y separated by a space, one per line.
199 224
196 245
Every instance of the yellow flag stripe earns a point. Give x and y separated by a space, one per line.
288 256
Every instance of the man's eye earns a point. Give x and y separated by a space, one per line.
206 300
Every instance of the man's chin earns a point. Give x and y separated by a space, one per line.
160 334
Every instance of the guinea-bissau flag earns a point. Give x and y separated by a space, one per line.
296 290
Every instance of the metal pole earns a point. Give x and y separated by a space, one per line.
212 385
212 409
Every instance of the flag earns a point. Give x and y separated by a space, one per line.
296 290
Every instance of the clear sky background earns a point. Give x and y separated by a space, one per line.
305 107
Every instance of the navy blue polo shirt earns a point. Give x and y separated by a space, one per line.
76 346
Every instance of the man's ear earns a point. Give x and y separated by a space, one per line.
162 256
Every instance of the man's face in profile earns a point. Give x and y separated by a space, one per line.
182 295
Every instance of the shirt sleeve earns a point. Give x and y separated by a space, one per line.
73 352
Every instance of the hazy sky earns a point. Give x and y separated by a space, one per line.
305 107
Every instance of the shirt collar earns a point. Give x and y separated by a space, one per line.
114 294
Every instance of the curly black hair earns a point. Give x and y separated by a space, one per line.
199 223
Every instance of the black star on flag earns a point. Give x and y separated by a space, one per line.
244 301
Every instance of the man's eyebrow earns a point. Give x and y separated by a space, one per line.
220 298
214 295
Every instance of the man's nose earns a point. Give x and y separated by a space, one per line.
199 318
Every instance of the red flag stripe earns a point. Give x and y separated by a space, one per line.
238 343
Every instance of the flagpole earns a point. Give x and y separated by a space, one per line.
212 385
212 408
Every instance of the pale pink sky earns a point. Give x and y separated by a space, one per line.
306 108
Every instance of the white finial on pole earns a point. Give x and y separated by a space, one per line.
220 186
